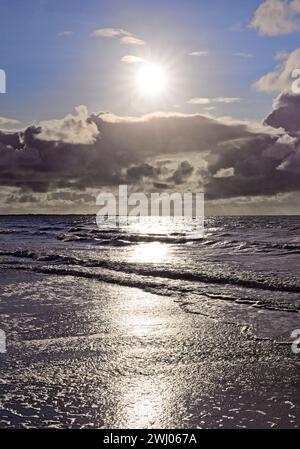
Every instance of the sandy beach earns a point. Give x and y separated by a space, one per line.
88 354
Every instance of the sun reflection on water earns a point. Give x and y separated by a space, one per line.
143 403
150 252
143 321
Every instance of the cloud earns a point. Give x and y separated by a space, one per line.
281 55
255 165
11 139
70 196
281 78
132 40
263 165
66 33
244 55
286 113
277 17
23 198
8 121
93 150
124 36
136 172
161 185
224 173
227 100
291 164
86 152
130 59
203 101
184 171
109 32
199 101
199 53
75 129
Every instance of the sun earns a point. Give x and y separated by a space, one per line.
151 79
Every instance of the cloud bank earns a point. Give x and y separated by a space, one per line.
170 151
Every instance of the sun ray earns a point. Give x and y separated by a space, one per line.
151 79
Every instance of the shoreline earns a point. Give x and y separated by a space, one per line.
90 354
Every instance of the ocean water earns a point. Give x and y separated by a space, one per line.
241 259
141 327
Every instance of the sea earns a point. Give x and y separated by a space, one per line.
108 326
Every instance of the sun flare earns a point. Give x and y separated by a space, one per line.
151 79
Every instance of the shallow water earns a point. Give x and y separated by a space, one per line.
128 328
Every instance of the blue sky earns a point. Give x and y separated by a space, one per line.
49 73
205 132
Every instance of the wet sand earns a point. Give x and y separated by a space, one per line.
88 354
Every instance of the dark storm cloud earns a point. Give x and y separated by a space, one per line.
224 157
26 198
259 166
286 113
10 139
184 171
137 172
161 185
46 157
71 196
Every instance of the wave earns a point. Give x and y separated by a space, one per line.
179 292
12 231
106 239
240 239
237 279
223 240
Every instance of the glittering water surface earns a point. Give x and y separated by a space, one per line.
141 327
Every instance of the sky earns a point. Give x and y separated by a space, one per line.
74 121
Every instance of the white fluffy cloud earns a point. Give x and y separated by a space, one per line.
124 36
225 173
130 59
109 32
132 40
198 53
199 101
281 78
206 101
8 121
73 129
226 100
277 17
